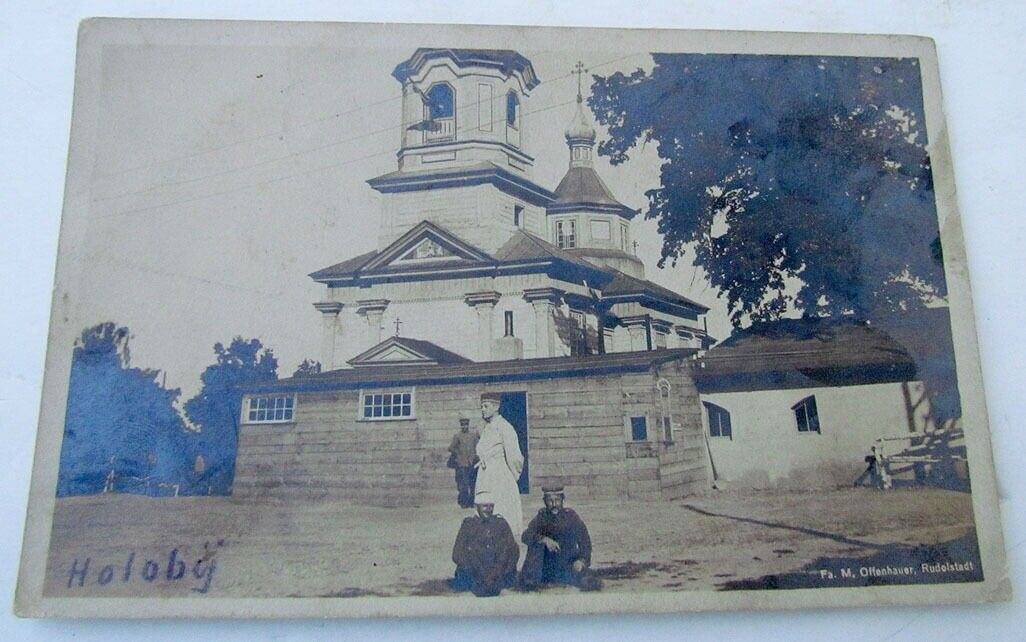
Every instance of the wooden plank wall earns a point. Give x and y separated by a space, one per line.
575 432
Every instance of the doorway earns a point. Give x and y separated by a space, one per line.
513 407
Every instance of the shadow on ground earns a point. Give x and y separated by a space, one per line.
892 564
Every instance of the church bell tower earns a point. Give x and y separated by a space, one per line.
461 160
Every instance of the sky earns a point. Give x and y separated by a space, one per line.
224 175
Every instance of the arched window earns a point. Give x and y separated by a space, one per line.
440 102
512 110
719 420
666 416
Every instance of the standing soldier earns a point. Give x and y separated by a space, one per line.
462 457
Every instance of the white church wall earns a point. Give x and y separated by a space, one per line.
766 450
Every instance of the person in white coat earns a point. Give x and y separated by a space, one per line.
500 463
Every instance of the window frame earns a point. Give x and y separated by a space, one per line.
362 405
515 122
518 215
600 222
630 429
429 116
560 237
809 419
288 407
720 412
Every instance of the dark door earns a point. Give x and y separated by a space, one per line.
513 408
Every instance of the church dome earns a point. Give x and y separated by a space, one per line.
580 128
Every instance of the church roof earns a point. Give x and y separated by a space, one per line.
484 172
523 251
505 60
524 246
582 188
404 351
624 285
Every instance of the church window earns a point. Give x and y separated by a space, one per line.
639 428
269 410
623 238
484 107
600 230
806 415
719 420
566 234
666 416
518 215
386 406
512 110
440 103
508 318
579 340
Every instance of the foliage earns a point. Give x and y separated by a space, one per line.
118 418
800 183
217 408
307 368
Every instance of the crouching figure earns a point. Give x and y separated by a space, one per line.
558 547
485 551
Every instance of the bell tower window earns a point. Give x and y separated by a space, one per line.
440 113
566 234
512 110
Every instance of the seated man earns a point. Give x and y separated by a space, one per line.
558 547
485 552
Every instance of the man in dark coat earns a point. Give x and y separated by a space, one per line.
558 547
485 552
462 457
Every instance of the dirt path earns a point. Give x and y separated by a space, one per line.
225 547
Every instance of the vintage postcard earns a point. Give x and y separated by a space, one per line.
387 320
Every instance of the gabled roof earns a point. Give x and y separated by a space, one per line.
476 372
522 252
627 288
404 351
454 252
505 60
583 189
801 353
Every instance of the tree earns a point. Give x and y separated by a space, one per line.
118 418
799 183
217 408
307 368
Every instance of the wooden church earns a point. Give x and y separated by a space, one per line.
484 280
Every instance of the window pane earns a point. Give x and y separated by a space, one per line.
440 103
725 430
639 429
511 109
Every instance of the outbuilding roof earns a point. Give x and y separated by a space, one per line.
480 372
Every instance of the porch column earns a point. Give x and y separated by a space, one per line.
330 329
373 310
637 329
484 304
544 300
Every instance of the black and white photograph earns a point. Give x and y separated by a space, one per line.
369 319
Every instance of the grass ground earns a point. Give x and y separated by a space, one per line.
274 548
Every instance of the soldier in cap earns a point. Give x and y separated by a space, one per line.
558 547
500 462
462 457
485 552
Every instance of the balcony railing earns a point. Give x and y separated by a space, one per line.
439 130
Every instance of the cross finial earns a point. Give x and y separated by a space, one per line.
579 70
397 324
